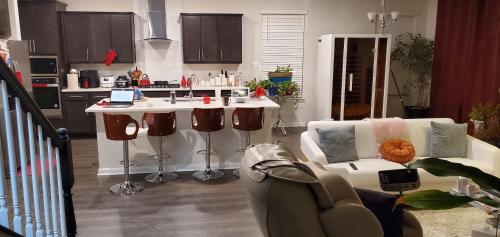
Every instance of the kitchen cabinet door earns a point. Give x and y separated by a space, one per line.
75 27
209 39
77 121
100 37
39 25
123 37
191 38
230 39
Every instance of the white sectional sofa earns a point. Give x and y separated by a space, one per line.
479 154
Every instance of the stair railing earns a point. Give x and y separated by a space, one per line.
32 147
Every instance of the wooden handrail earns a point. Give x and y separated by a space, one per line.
60 138
16 89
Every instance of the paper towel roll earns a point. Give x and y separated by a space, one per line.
73 81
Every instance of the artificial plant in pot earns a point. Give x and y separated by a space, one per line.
281 74
415 54
440 200
486 119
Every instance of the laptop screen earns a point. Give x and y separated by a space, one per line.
240 92
122 96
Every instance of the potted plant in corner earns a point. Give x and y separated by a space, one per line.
486 120
415 53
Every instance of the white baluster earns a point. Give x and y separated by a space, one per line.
17 222
62 213
45 195
34 180
4 211
55 229
24 171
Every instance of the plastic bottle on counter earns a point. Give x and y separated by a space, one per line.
137 93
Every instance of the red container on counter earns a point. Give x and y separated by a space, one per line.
206 99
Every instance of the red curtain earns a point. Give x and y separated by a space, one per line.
466 57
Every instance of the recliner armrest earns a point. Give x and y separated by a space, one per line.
311 149
484 152
338 221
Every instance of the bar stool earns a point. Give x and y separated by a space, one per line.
207 120
247 119
116 127
160 125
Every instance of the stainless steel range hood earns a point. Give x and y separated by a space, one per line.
157 22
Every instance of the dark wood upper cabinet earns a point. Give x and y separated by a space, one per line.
100 36
89 36
230 42
212 38
209 39
191 39
123 37
76 31
39 25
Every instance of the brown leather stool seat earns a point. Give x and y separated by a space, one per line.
116 129
160 125
247 119
208 120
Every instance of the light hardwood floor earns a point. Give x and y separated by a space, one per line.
180 208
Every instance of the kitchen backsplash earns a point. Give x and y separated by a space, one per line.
201 70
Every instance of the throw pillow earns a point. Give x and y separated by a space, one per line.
448 140
338 143
397 150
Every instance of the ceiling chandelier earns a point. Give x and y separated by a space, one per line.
379 18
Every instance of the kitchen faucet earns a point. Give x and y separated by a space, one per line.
190 83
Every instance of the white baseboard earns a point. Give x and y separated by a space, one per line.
149 169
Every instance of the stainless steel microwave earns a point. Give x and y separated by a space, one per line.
42 66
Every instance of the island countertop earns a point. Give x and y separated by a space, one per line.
182 146
163 105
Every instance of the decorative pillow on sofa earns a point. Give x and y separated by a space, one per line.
338 143
397 150
448 140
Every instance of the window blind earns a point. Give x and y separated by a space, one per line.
283 44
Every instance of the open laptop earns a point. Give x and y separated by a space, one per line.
121 98
240 95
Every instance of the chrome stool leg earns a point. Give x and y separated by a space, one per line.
208 174
160 176
126 188
236 172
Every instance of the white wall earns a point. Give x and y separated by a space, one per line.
15 30
164 61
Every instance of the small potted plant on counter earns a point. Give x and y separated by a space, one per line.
415 53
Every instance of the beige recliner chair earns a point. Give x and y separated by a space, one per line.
290 198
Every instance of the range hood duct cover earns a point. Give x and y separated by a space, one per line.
157 22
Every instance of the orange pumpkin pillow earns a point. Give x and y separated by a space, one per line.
397 150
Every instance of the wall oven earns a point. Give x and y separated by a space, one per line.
46 93
44 66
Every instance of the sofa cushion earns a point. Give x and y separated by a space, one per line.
420 131
367 173
397 150
338 143
366 145
448 140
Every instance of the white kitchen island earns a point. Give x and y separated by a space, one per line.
183 145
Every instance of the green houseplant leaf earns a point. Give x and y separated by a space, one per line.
439 200
442 168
